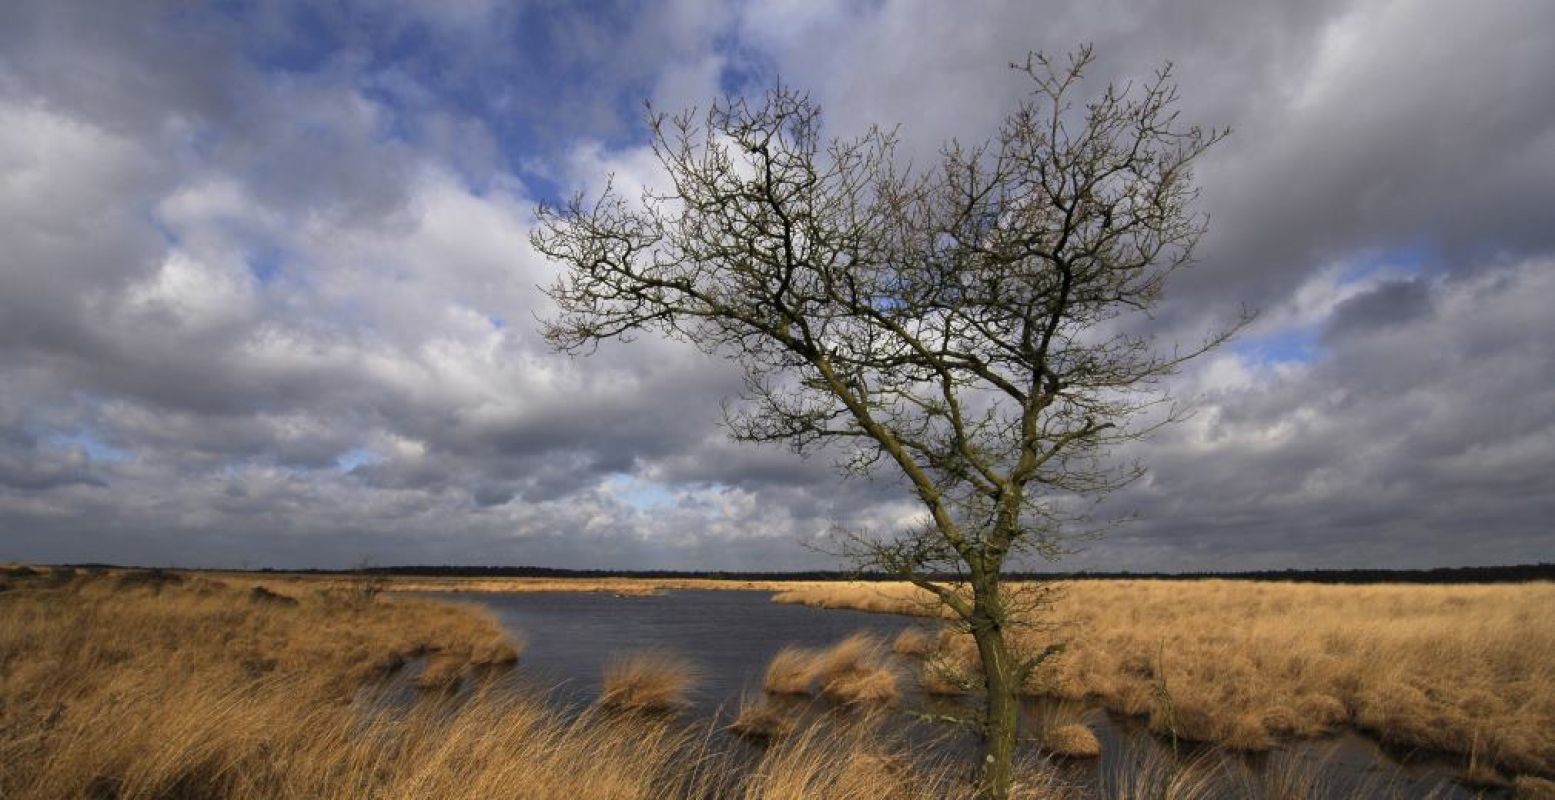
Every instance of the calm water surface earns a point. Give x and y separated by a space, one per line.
730 635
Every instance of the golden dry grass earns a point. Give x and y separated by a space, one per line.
856 671
763 720
199 626
857 652
877 596
791 671
1461 668
913 642
1073 740
873 686
192 689
1063 729
157 688
652 680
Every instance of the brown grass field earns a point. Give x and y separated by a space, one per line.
146 685
1461 669
126 686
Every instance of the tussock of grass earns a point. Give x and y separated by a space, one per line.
859 651
913 642
763 720
1192 722
653 680
856 671
1062 729
1074 740
791 671
876 685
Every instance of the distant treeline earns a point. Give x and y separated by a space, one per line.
1509 574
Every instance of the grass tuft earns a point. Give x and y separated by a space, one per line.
652 680
763 721
913 642
791 671
1074 740
857 671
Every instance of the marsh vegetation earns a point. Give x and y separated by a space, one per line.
1468 670
155 684
159 685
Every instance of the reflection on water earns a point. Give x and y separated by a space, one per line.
731 635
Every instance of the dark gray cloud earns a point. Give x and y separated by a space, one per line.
1424 439
1390 304
266 295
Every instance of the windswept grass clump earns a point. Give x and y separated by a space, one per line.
791 671
260 594
856 671
763 720
872 686
652 680
914 641
1073 740
859 651
1063 729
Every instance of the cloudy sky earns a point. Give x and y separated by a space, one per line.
267 298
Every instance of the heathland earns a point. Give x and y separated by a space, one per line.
142 684
157 685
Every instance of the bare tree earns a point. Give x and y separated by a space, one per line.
967 324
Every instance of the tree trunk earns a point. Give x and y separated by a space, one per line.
1001 717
